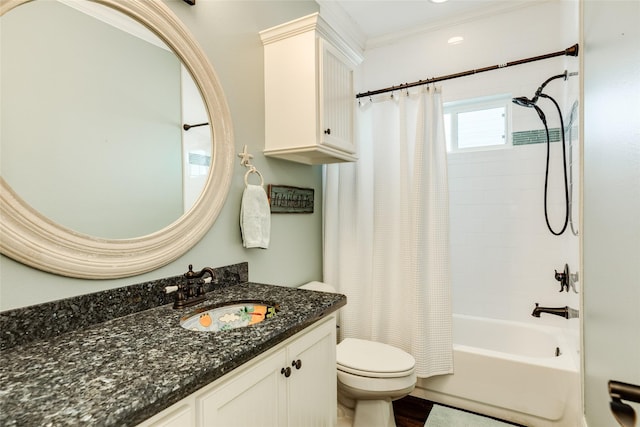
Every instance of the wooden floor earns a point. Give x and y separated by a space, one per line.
411 411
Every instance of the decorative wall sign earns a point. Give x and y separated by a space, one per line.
286 199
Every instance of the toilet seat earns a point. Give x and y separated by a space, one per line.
374 374
373 359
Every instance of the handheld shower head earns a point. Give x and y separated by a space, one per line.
523 101
541 115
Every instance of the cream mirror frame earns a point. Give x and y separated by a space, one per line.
32 239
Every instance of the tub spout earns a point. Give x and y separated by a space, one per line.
566 312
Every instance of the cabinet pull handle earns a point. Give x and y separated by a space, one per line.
297 363
286 371
327 131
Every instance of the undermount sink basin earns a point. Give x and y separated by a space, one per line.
229 315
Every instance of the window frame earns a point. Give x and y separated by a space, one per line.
478 104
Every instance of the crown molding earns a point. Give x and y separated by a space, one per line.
335 15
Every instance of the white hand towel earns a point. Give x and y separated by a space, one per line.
255 217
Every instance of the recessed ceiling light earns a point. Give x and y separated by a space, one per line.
438 1
455 40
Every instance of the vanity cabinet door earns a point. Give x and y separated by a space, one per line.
291 385
181 414
312 392
254 397
295 386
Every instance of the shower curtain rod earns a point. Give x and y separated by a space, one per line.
571 51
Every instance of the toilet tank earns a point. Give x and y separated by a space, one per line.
318 286
323 287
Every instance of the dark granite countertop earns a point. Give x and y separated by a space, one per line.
126 370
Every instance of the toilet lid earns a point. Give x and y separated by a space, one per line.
368 358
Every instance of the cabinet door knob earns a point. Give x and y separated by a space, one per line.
327 131
297 363
286 371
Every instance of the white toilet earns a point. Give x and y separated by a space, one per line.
370 376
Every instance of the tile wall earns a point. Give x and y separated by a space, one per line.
503 256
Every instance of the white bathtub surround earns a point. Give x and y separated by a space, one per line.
386 230
510 370
502 255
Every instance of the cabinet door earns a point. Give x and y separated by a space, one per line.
255 397
312 386
179 415
337 98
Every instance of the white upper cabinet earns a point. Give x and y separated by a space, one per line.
309 93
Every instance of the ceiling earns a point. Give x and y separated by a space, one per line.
375 19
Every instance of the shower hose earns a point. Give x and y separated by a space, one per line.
546 174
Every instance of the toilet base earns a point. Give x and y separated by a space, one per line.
369 409
374 413
371 414
345 416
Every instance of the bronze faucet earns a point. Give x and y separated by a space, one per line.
191 292
566 312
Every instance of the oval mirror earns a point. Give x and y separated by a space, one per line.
166 185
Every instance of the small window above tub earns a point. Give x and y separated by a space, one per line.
478 123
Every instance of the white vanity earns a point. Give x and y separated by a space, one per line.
144 367
292 384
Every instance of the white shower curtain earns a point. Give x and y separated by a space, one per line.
386 230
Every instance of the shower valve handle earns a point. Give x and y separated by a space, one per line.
563 278
560 278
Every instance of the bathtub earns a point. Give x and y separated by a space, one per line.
519 372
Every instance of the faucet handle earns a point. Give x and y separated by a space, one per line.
563 278
190 274
560 278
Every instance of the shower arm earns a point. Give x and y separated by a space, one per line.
564 75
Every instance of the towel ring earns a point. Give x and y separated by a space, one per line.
249 172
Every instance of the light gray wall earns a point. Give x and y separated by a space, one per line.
611 245
228 33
